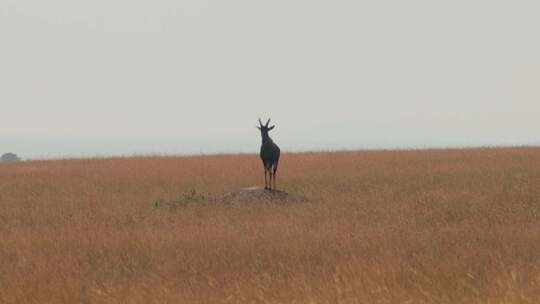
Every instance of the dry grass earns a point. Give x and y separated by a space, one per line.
430 226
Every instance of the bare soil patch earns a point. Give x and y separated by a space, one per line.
261 194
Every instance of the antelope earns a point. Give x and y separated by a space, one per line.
269 155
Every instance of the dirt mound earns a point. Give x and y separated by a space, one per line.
261 194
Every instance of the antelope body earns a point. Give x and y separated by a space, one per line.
269 155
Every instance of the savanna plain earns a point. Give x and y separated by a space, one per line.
416 226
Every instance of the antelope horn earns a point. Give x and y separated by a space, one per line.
260 122
267 122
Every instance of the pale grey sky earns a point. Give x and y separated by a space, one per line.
102 77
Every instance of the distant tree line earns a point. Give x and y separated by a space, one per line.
9 157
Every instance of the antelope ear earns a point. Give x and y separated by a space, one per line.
271 128
258 127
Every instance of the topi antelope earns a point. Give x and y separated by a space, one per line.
269 155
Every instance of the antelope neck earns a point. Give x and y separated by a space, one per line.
266 138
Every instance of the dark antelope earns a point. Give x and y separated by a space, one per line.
269 155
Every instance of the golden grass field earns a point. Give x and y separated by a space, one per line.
424 226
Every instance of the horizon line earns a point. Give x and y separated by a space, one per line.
292 151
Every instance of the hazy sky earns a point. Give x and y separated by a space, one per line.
167 76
